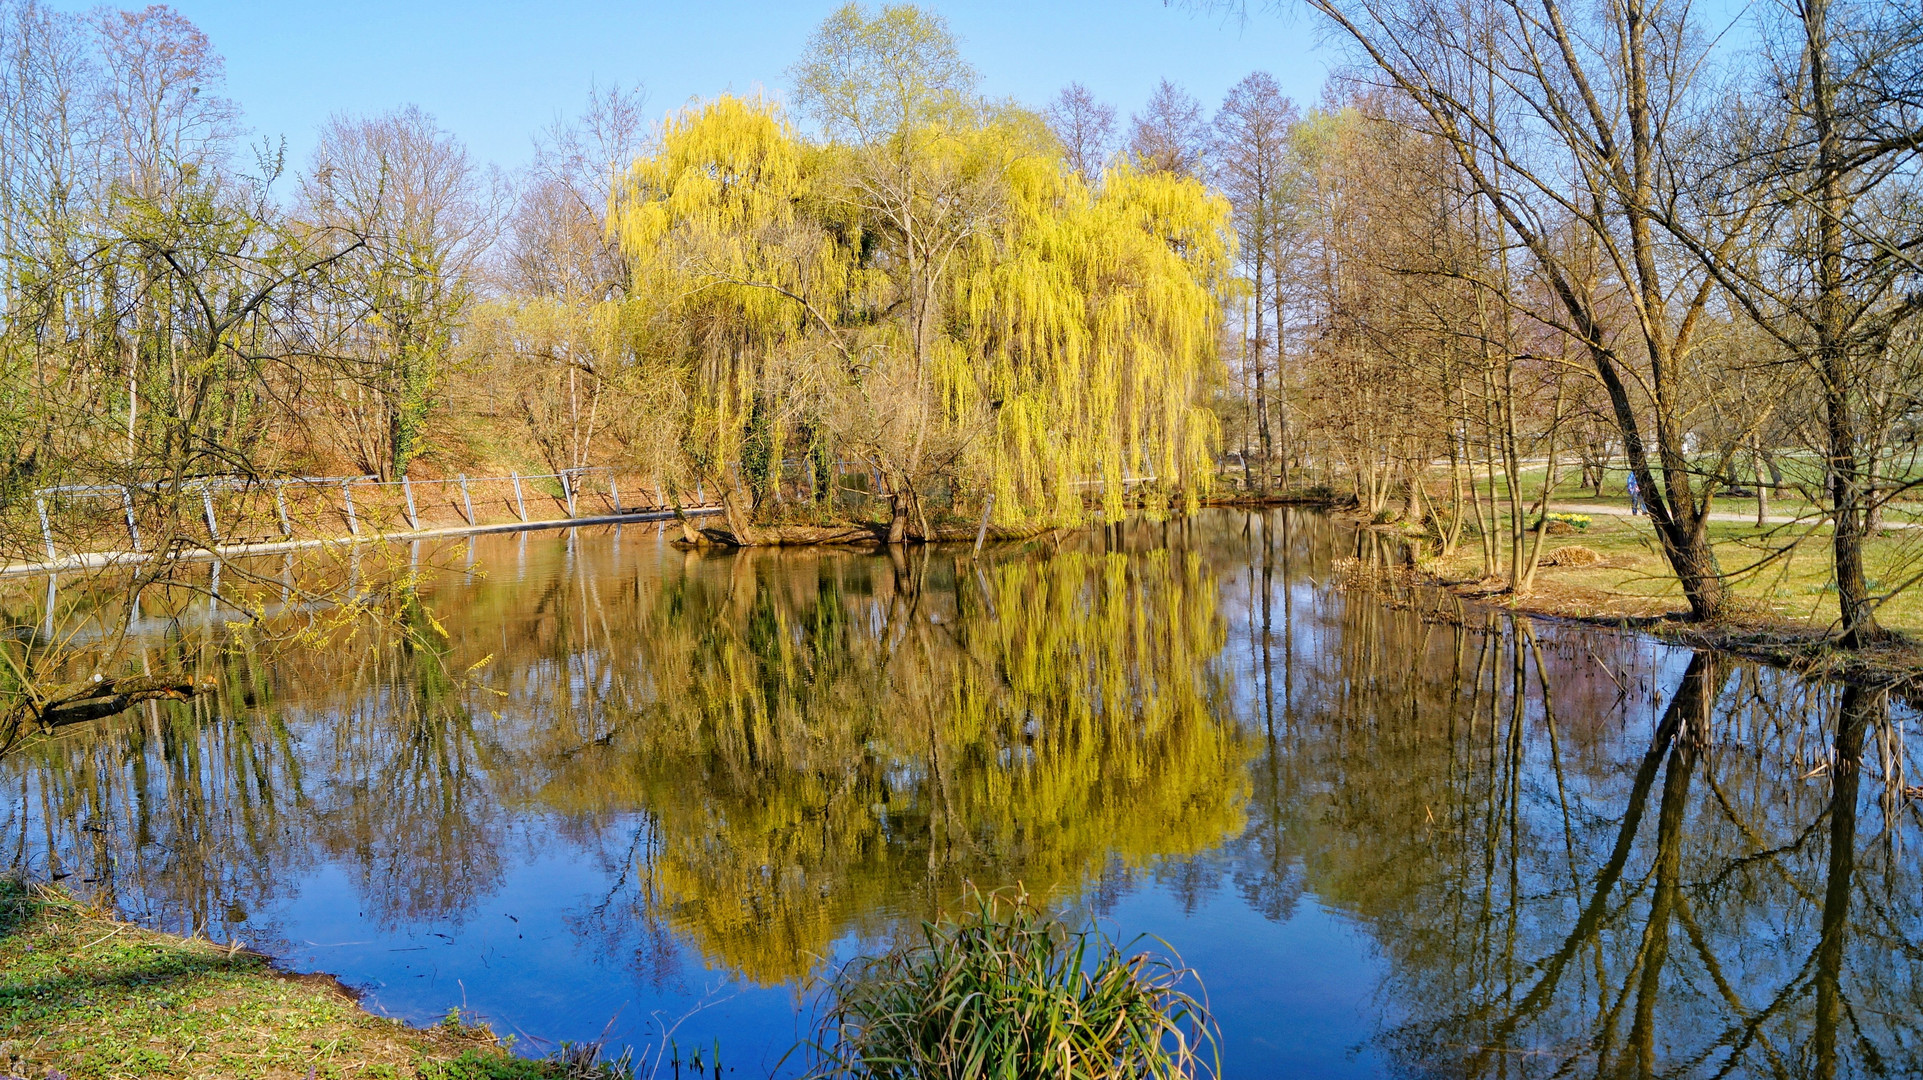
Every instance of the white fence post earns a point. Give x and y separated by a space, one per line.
347 497
207 504
407 491
133 527
46 533
280 508
467 500
520 504
981 534
567 489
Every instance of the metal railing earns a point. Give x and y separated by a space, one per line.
241 527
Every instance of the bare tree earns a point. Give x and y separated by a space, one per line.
1170 134
1253 166
1802 203
160 91
548 350
1556 133
1086 128
429 213
557 241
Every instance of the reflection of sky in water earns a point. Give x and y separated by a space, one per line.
1293 998
1373 871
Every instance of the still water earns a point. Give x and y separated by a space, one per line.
637 792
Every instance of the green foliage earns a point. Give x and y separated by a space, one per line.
868 80
478 1066
1010 991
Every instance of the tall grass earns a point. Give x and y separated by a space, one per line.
1008 992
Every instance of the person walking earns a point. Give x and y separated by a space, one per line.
1635 496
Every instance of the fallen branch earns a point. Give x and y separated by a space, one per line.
93 700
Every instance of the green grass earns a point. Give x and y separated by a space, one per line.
1778 573
1008 991
92 997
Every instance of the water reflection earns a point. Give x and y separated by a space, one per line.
1539 850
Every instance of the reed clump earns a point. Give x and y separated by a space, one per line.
1011 992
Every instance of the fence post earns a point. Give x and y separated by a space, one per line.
347 497
520 504
467 500
567 489
46 533
613 492
981 534
207 504
133 527
700 493
407 492
280 508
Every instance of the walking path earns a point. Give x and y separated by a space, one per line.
1812 518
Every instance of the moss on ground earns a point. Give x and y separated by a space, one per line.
84 996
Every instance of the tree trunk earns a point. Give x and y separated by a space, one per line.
1847 490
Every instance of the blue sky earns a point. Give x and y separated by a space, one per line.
494 71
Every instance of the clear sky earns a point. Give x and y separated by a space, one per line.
495 71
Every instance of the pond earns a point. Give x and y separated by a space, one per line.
635 792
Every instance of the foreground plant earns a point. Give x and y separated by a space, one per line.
1010 991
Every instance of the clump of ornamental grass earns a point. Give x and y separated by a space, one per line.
1009 992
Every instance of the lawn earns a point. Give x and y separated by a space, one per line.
85 996
1779 573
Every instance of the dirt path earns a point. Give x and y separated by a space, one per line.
1773 519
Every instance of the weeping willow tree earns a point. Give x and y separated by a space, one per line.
1089 330
740 284
927 292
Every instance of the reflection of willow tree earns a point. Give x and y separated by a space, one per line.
821 750
1563 882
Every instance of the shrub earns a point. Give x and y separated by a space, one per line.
1572 555
1008 991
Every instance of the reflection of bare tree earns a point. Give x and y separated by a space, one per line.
408 798
1859 711
1555 896
181 816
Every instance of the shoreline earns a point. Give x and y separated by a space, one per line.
86 994
1802 647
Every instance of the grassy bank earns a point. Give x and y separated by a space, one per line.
1778 575
83 995
1783 605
